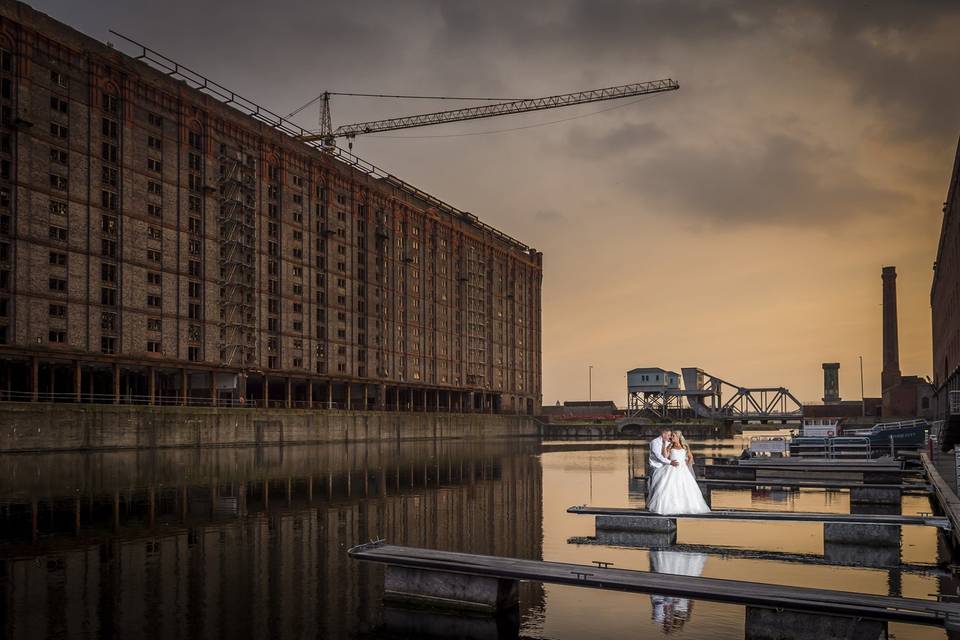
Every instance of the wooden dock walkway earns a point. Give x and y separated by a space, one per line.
780 516
808 464
771 596
908 487
944 491
879 561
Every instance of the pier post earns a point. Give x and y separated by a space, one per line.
440 589
381 397
289 392
725 472
116 383
861 555
77 379
266 391
329 394
666 524
349 400
636 538
309 394
881 535
872 495
773 624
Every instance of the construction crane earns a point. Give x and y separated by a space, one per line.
327 134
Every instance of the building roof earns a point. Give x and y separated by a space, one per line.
652 369
604 404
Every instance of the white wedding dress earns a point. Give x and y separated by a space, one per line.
674 490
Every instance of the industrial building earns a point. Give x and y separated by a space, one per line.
160 246
945 296
901 396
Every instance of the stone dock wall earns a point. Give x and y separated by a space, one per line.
61 427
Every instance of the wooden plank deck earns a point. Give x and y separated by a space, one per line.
781 516
821 601
812 484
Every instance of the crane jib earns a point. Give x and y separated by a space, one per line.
507 108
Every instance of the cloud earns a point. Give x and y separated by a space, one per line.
778 180
549 216
620 139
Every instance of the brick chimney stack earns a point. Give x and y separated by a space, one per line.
891 345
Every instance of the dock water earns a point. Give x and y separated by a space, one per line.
252 542
876 536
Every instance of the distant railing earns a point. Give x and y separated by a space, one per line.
831 448
889 426
196 401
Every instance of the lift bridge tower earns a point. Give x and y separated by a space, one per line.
658 393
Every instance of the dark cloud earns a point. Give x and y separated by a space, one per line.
622 138
890 62
781 181
549 216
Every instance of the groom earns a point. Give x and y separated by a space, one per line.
656 459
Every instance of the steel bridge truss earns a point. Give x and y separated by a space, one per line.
705 394
661 404
708 396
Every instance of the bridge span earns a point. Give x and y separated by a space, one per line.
657 393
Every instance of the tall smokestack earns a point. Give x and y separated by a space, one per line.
891 344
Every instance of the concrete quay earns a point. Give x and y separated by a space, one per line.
31 427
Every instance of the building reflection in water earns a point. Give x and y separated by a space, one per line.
247 542
671 614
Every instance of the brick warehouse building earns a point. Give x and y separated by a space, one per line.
945 295
159 246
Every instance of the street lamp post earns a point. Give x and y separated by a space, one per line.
590 383
863 402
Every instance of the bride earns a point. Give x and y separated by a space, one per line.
675 489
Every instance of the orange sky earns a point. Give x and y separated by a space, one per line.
738 224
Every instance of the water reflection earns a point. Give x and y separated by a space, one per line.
670 614
251 542
246 542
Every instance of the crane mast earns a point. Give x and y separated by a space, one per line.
485 111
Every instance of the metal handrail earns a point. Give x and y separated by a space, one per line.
831 448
